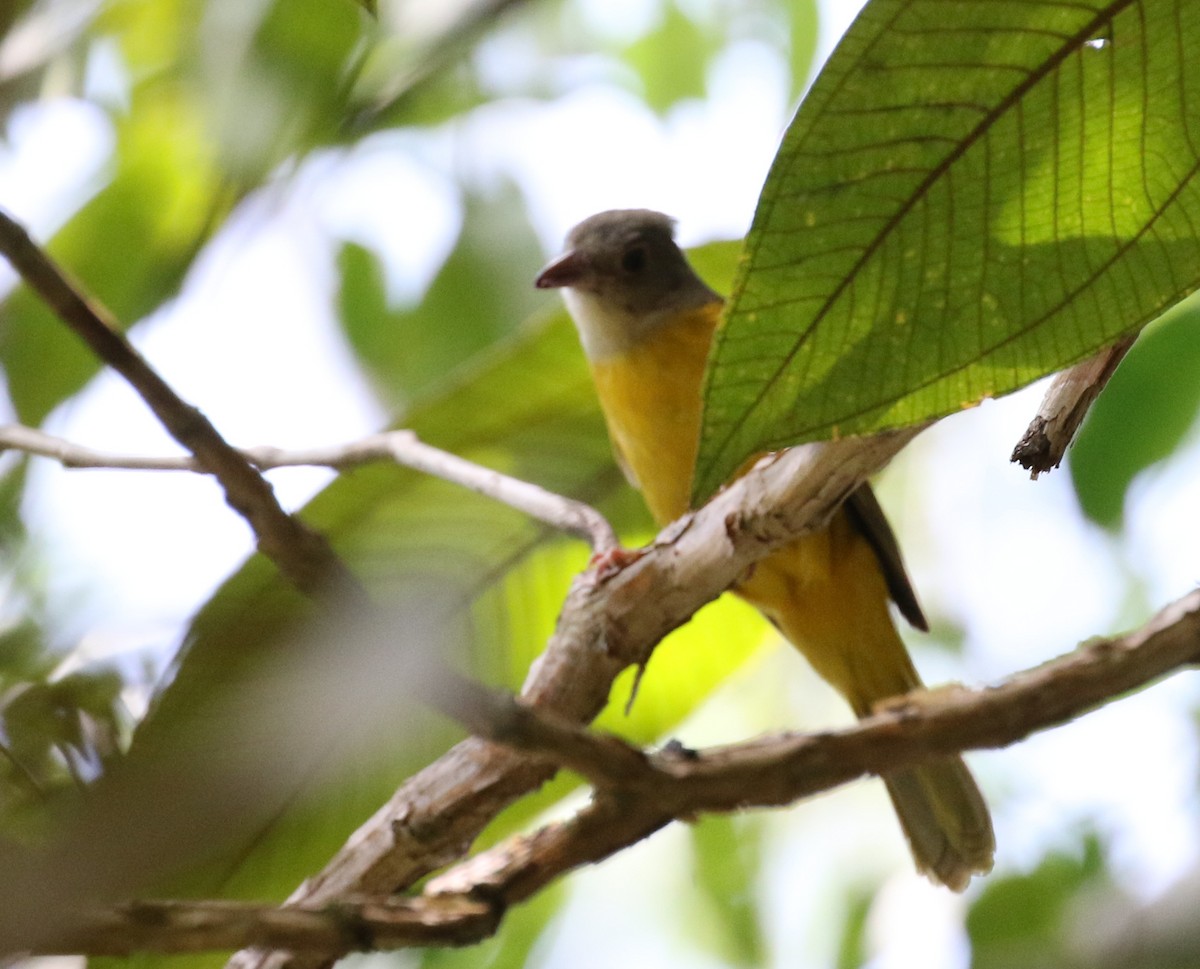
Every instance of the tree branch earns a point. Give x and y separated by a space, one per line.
303 555
776 771
642 793
1063 408
604 627
202 926
402 447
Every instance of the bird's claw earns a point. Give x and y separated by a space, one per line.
608 563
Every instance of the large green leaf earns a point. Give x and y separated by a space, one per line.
727 857
971 196
1145 411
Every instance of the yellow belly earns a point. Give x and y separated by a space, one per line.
825 591
651 399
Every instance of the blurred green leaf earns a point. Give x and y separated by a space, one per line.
436 99
727 854
22 653
805 26
426 79
10 12
479 294
394 527
716 263
32 726
852 949
672 60
75 716
51 48
154 36
1148 407
304 59
270 81
970 196
1017 920
129 247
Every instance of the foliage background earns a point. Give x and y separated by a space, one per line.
317 221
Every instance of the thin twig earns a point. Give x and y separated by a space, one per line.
400 446
1063 408
301 553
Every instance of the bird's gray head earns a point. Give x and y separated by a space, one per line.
622 276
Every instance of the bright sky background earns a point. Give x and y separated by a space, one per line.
1013 562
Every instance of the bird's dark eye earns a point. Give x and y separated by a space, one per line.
634 260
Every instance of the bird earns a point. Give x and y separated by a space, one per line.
646 320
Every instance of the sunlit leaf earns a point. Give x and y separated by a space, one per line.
672 59
475 299
726 861
129 247
1148 407
805 25
971 196
1018 920
852 949
152 35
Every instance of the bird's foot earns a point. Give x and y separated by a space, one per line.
608 563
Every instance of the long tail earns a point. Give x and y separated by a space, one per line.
945 821
827 595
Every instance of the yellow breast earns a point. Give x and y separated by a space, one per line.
651 396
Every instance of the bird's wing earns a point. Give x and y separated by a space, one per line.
868 517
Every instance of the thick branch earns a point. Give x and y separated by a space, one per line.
301 554
1065 405
178 927
642 793
400 446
